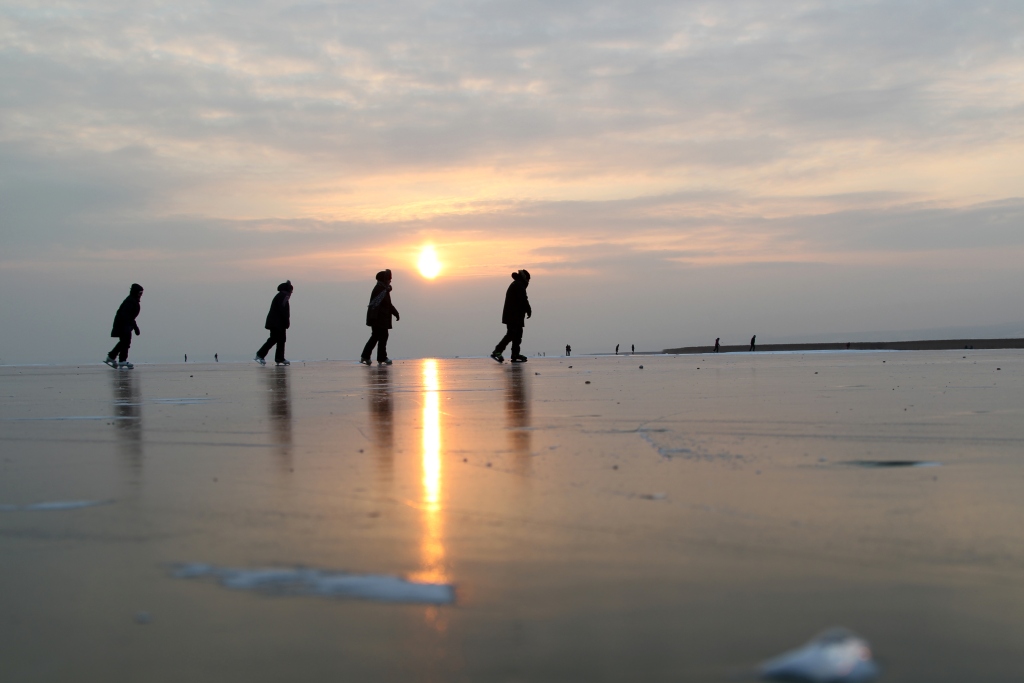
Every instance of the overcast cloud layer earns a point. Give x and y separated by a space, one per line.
670 172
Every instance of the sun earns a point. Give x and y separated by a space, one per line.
428 264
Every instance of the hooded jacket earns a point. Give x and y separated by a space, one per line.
380 315
517 305
127 312
280 315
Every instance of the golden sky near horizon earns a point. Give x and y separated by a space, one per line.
218 141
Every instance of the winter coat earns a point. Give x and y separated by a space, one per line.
279 317
124 319
380 316
517 305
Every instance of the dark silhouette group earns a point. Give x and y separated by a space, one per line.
378 318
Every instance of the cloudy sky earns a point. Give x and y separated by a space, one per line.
670 172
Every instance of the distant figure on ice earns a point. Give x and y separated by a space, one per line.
568 350
632 348
186 357
378 319
752 343
278 320
616 349
718 348
124 325
216 358
513 316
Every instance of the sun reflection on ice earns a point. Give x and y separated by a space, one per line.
432 551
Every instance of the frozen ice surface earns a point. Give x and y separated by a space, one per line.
835 656
670 524
304 581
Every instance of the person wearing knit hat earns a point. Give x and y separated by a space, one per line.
278 320
124 325
513 316
378 319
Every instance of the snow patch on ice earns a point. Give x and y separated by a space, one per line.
54 505
835 656
184 401
319 583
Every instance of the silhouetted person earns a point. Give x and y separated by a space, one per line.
124 325
279 319
616 349
718 348
186 357
378 319
568 350
753 344
632 348
513 316
216 358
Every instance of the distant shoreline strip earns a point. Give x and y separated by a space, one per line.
920 345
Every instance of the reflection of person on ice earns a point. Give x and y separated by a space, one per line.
124 325
513 315
279 319
378 319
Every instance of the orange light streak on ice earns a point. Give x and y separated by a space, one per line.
432 551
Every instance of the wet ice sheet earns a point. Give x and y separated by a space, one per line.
669 524
324 584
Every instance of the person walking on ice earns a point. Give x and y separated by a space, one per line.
278 320
568 350
513 316
718 347
124 325
378 319
753 343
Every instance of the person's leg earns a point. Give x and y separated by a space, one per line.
517 339
368 349
382 343
280 337
116 350
124 345
265 349
504 340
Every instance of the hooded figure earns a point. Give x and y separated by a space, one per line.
513 315
278 320
378 319
124 325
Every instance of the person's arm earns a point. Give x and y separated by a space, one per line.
529 310
395 311
138 332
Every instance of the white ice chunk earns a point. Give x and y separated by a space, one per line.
64 505
315 582
834 656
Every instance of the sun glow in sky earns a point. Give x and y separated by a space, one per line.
428 264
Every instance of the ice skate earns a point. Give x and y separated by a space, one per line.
365 361
283 362
259 360
519 359
498 357
386 361
125 365
110 361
